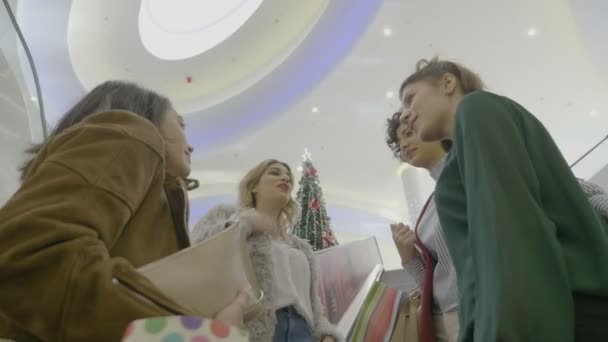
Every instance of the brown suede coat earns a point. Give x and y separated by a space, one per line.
96 204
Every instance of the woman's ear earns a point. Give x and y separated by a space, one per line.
448 83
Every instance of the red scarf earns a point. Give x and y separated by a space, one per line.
427 329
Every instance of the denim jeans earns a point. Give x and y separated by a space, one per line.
291 327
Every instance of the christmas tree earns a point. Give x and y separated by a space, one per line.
314 222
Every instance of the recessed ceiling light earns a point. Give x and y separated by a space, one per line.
390 94
315 109
532 32
593 113
387 31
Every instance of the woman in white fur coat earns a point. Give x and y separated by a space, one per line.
284 264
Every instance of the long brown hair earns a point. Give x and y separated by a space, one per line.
110 95
252 178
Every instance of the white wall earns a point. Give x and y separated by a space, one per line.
417 186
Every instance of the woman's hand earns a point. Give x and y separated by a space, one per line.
233 313
328 339
261 223
404 239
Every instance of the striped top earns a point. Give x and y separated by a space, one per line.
597 197
445 289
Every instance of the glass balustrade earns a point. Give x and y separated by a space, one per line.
21 112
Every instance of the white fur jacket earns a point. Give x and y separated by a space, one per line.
261 328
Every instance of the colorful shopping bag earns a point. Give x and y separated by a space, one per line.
182 329
378 315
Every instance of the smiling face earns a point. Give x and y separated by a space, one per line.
415 152
275 184
428 108
431 95
177 149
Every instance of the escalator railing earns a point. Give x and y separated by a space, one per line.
593 164
21 111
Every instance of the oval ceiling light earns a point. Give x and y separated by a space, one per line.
180 29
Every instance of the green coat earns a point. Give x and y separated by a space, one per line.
521 232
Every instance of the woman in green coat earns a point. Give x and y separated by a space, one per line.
529 251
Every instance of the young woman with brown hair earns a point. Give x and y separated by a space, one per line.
527 246
103 195
427 236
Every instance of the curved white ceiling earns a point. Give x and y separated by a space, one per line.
180 29
305 40
551 73
104 43
590 17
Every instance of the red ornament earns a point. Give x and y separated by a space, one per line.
314 204
311 172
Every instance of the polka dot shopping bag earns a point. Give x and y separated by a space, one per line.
182 329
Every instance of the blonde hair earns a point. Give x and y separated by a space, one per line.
252 178
435 68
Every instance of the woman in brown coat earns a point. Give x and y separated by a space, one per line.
103 195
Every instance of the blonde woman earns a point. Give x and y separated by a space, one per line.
284 264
